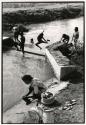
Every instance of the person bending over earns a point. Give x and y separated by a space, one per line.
65 38
36 87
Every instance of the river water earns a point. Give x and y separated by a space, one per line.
53 30
15 65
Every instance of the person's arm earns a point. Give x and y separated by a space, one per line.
44 39
30 90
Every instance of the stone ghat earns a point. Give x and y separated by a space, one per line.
60 58
61 65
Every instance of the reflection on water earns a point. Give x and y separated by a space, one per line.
15 66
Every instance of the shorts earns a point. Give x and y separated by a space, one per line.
37 96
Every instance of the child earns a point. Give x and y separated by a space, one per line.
16 34
32 42
40 39
75 36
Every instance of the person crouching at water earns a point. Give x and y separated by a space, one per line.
40 39
65 38
22 43
36 87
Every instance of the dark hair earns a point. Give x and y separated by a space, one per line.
27 78
21 33
76 29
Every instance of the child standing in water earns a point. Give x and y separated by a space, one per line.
75 36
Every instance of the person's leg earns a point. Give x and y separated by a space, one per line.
16 43
27 99
43 41
37 96
20 46
23 49
37 44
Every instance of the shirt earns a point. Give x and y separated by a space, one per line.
76 35
38 86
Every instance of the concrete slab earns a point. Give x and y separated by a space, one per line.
34 50
60 71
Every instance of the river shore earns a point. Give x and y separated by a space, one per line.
39 12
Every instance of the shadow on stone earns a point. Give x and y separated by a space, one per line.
75 77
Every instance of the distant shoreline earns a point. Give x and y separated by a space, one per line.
39 15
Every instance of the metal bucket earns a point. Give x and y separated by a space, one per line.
48 116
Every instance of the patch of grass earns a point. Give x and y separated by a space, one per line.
76 114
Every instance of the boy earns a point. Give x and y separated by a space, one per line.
36 87
40 39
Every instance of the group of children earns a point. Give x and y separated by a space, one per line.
65 38
21 42
37 87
